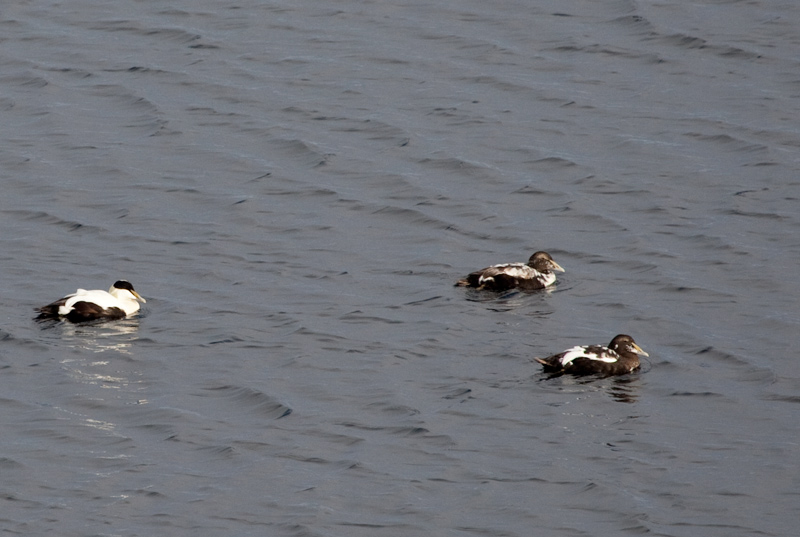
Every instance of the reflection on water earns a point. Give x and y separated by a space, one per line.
101 425
97 336
512 297
86 373
623 389
113 338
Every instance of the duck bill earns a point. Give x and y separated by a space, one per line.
138 297
639 350
557 267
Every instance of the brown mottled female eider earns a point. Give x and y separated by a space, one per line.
619 358
537 273
120 301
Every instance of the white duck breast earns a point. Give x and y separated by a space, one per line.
590 352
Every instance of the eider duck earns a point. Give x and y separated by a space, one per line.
537 273
619 358
120 301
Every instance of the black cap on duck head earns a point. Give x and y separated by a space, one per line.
123 284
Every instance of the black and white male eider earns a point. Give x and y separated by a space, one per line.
619 358
537 273
117 303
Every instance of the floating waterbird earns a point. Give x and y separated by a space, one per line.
118 302
537 273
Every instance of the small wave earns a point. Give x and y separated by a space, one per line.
304 152
690 42
50 219
251 400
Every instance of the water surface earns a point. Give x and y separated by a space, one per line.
295 187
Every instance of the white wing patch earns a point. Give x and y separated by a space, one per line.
515 270
599 354
102 298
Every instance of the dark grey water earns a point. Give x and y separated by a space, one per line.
295 186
